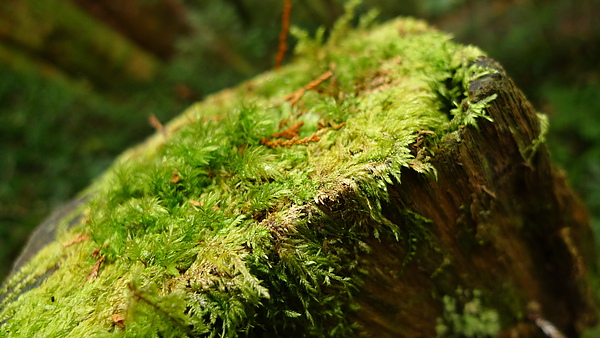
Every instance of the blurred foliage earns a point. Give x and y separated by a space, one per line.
54 139
57 132
575 138
63 38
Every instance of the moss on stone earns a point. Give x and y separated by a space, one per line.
206 230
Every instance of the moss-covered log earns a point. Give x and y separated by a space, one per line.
388 183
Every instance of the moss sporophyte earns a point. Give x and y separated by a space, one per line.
221 224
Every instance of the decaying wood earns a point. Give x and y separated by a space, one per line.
503 219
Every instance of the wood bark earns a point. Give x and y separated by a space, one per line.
503 220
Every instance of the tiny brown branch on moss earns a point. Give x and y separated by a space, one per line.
291 142
294 97
139 295
154 122
95 253
94 272
285 28
291 136
80 238
323 124
290 132
212 118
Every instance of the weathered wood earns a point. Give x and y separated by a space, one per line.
503 220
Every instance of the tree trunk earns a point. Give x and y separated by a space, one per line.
390 183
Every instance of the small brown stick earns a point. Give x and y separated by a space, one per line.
329 124
80 238
285 28
139 294
295 96
95 253
291 132
154 122
291 142
94 273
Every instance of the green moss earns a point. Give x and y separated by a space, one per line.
466 316
531 150
205 230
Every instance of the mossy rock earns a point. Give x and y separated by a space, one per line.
282 207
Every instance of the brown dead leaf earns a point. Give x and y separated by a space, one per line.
118 319
175 176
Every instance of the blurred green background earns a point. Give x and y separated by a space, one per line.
79 79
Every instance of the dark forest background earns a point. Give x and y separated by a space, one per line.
79 79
